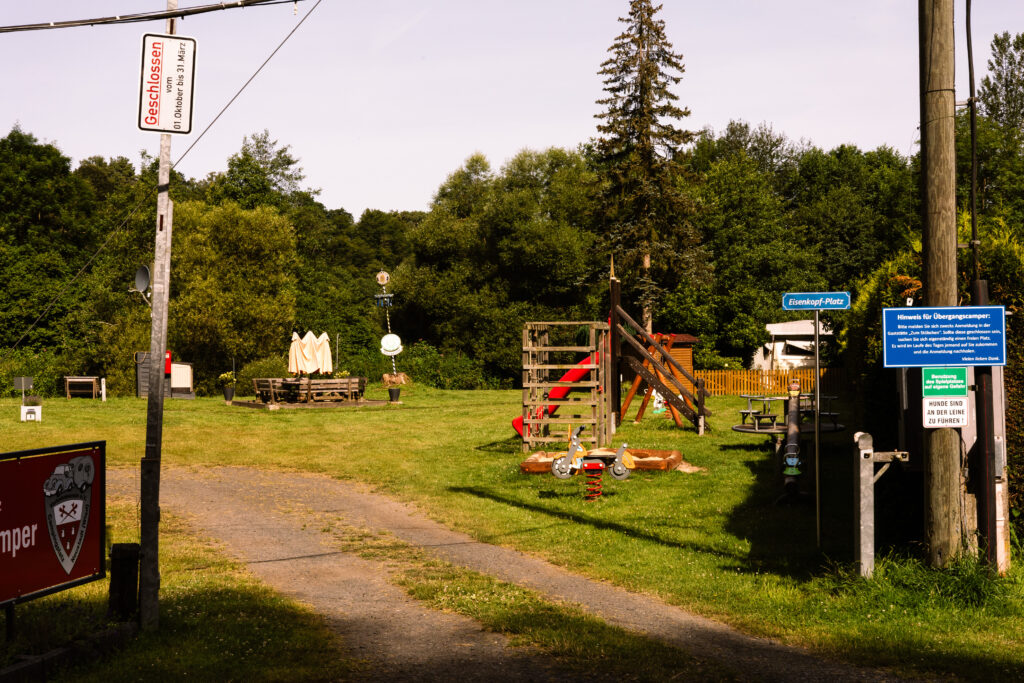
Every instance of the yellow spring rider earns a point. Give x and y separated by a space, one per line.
619 463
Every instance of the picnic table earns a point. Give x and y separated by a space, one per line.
764 419
81 385
761 416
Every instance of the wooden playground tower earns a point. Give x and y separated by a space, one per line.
552 369
561 391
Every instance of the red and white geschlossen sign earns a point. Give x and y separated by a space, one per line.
168 81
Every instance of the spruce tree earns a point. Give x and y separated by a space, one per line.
1002 91
644 211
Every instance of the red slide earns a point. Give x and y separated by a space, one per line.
573 375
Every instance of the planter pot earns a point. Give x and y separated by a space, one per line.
229 392
393 393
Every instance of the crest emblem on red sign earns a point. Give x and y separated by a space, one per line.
67 496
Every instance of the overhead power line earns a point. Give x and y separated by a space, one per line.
143 16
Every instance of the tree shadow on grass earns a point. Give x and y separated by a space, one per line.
600 524
782 528
746 447
504 446
213 633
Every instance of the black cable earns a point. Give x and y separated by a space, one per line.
138 206
974 150
251 78
142 16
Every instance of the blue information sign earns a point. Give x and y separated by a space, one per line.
815 301
943 337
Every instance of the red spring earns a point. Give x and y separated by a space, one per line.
594 483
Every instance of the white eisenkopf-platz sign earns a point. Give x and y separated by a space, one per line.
167 83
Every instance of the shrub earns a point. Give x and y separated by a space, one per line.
709 359
46 367
424 364
446 370
271 366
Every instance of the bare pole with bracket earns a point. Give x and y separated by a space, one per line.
864 497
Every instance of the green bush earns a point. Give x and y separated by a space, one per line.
705 358
271 366
46 367
446 370
425 364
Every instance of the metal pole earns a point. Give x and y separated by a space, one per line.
817 427
985 428
149 490
864 497
974 151
985 447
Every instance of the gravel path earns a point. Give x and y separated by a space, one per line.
258 516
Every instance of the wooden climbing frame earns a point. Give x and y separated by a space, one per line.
565 380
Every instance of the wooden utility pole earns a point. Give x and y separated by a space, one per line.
938 193
149 489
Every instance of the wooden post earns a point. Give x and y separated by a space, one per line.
527 391
123 600
938 189
701 410
149 486
614 349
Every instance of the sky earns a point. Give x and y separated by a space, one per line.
381 101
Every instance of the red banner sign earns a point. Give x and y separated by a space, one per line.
52 519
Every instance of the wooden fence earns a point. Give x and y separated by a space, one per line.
770 382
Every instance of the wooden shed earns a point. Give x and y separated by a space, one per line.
680 347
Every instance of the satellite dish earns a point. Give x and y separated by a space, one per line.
142 279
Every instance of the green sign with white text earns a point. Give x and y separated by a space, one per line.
943 382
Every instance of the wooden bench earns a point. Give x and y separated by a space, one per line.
264 388
82 386
759 419
749 412
336 389
305 390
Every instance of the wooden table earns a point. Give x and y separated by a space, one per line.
81 385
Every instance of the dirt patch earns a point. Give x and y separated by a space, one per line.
259 517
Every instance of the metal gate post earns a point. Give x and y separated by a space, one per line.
864 497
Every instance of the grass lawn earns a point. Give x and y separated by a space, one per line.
716 542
